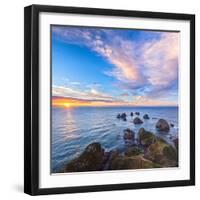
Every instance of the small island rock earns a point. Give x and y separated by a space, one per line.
118 116
131 114
129 134
146 116
162 125
137 120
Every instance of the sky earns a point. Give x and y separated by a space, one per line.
114 67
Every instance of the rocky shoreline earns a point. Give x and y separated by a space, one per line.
142 152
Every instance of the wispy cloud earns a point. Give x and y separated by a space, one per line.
145 67
89 95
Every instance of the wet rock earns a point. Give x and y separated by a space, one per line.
133 151
137 120
162 125
129 134
118 116
172 125
133 162
162 153
131 114
137 113
146 138
90 160
122 116
146 116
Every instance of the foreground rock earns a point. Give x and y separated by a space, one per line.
146 116
162 153
133 151
146 138
137 120
162 125
129 134
90 160
133 162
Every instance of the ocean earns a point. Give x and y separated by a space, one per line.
76 127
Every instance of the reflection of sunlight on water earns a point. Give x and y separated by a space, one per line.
70 126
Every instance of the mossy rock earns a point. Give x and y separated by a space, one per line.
146 138
133 151
133 162
90 160
170 152
162 153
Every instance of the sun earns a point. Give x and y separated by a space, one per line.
67 105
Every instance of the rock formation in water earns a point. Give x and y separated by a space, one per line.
146 116
137 120
150 151
129 134
162 125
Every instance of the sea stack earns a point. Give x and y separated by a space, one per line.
162 125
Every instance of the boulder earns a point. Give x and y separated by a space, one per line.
124 119
162 125
123 115
146 116
146 138
133 162
137 120
118 116
133 151
131 114
129 134
137 113
172 125
162 153
90 160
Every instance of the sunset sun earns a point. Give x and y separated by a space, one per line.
67 105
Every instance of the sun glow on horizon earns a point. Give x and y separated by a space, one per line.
72 103
67 105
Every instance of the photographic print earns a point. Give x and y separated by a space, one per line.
114 99
109 99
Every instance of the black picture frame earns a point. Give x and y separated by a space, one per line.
31 98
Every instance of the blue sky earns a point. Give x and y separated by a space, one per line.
115 66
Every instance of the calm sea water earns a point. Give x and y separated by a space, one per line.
74 128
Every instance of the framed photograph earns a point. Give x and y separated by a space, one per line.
109 100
